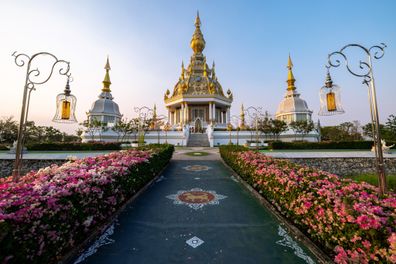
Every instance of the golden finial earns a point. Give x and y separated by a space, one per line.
197 42
155 111
197 20
106 81
205 72
213 71
182 71
242 117
290 77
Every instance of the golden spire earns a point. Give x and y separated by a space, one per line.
182 71
205 72
242 117
106 81
197 42
290 77
213 71
155 112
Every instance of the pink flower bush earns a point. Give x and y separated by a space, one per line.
49 211
345 217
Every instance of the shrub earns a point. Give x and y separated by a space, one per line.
348 219
49 212
74 146
322 145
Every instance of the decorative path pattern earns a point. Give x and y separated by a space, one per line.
196 168
196 198
197 212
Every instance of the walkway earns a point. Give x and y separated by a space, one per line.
197 212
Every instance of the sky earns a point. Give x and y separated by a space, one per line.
146 42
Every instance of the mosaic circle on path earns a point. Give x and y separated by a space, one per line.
196 197
197 168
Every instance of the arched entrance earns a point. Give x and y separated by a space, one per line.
198 126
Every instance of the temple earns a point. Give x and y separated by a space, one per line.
198 98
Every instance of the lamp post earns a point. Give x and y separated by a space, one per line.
143 113
236 120
331 104
66 102
257 112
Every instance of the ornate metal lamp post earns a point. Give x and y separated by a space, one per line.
66 102
144 113
330 100
257 112
167 127
236 120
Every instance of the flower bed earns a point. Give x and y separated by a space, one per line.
346 218
46 213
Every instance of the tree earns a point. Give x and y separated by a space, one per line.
307 126
277 127
297 127
265 126
8 130
391 127
52 134
126 127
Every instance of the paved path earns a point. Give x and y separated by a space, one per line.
196 213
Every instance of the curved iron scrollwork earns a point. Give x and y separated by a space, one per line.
365 66
22 59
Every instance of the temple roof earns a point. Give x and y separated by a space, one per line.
198 79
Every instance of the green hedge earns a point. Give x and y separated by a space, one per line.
324 145
3 147
74 146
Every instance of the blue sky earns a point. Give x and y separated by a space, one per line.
147 40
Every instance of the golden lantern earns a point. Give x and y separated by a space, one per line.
65 106
330 99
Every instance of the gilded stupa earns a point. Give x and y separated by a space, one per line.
198 98
292 107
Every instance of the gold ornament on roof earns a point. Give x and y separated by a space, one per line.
290 77
197 41
106 82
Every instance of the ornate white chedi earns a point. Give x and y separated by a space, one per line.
105 109
198 100
292 107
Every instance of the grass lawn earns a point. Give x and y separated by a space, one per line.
373 179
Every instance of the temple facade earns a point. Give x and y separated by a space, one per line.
198 99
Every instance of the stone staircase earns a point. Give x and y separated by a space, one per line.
198 140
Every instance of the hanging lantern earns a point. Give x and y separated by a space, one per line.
330 99
65 106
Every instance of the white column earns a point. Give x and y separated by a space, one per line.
181 113
187 113
210 112
169 115
228 115
174 118
222 117
214 112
